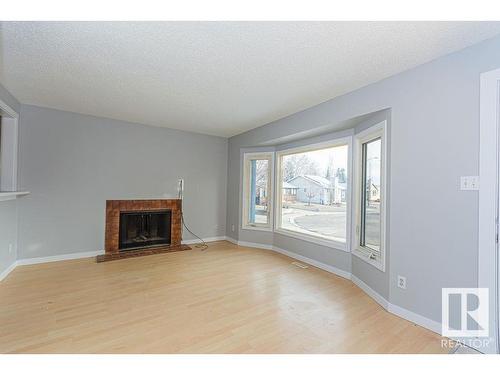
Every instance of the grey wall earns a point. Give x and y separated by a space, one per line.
434 140
73 163
8 234
337 258
8 209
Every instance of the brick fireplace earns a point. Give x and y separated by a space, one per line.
142 227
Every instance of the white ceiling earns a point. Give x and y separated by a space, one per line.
220 78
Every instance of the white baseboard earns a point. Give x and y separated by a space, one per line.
312 262
315 263
232 240
392 308
420 320
8 270
256 245
373 294
248 244
208 239
302 258
89 254
57 258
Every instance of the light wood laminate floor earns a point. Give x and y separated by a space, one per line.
227 299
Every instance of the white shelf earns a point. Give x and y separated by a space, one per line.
9 195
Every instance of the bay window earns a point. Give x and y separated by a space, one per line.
312 196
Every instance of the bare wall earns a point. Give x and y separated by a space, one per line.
73 163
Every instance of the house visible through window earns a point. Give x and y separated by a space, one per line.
313 192
312 198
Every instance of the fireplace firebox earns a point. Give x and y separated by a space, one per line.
140 229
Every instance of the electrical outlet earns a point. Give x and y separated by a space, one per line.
232 227
469 183
11 248
401 282
180 188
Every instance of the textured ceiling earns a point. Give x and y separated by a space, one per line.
220 78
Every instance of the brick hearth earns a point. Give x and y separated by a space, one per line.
113 209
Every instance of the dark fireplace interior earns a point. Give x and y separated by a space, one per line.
144 228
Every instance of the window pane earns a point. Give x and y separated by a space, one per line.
258 212
314 193
370 207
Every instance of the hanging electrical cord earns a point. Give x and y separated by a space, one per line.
202 245
180 193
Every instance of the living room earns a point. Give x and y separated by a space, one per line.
249 187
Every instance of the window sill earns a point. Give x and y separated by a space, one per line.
10 195
379 264
319 241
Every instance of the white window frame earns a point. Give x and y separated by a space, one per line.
344 246
377 131
8 148
247 157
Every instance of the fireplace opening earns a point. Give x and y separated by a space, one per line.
140 229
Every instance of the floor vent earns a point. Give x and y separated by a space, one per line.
300 265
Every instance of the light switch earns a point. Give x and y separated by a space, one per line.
469 183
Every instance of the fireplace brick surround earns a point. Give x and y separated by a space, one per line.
113 210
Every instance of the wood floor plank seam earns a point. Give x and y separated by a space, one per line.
226 299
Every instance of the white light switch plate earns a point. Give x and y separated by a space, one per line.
469 183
